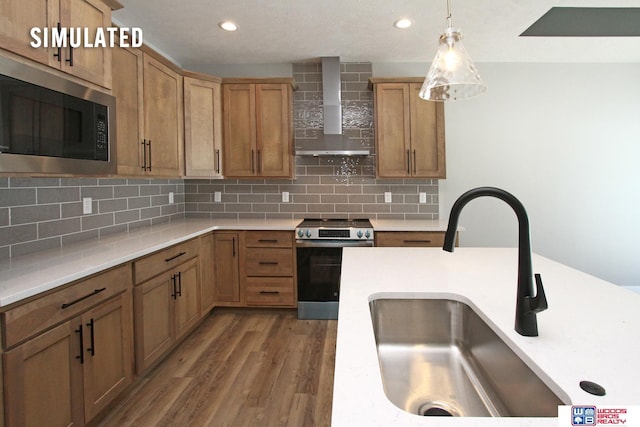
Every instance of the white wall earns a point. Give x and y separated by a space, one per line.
565 140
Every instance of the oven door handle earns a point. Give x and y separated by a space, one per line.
333 243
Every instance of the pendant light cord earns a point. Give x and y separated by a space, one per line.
449 14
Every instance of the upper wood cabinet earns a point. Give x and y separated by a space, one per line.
409 131
149 109
17 17
202 126
257 132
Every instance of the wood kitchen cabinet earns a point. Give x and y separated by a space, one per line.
166 300
19 16
207 283
226 267
149 114
409 131
257 128
269 269
202 126
63 374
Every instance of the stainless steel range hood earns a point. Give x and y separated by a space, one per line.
332 142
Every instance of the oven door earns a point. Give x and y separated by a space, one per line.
319 267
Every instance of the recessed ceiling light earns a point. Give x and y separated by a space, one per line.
403 23
227 25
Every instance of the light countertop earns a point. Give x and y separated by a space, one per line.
589 331
28 275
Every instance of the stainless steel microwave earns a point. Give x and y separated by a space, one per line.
51 125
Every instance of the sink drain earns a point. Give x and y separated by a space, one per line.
437 409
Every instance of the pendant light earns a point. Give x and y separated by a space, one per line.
452 74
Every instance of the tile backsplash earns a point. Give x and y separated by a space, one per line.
45 213
324 186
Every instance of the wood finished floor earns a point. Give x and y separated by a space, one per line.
239 368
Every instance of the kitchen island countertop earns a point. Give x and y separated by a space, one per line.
589 331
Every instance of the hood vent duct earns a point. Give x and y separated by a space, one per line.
332 142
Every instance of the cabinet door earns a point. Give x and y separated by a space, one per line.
18 17
91 63
202 127
392 117
108 346
187 297
239 135
154 320
207 283
127 89
226 267
274 136
163 118
44 377
427 137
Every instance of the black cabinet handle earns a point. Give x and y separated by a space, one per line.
259 162
81 356
174 257
269 292
149 144
91 349
144 154
408 162
179 291
268 262
70 59
174 293
253 161
69 304
234 246
418 241
414 162
268 240
58 54
217 161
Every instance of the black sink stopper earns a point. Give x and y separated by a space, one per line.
592 388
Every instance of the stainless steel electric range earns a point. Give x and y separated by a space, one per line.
319 244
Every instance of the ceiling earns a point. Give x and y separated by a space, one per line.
285 31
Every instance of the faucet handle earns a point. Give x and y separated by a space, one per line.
539 302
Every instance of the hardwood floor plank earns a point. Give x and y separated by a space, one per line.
241 367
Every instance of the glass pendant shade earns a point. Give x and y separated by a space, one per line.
452 74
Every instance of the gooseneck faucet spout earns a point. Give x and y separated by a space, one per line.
527 305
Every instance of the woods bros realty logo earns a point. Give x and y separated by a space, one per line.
75 37
591 415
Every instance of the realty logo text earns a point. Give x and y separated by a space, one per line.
592 416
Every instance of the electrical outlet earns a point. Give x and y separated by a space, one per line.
171 200
387 196
86 205
217 196
423 197
285 197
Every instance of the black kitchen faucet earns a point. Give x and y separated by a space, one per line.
527 305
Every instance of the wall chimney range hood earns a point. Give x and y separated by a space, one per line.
332 142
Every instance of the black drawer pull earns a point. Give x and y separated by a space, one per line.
69 304
81 356
175 256
268 240
269 292
268 263
417 241
92 349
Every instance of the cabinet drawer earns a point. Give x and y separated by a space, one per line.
410 238
165 259
268 262
268 239
270 291
36 316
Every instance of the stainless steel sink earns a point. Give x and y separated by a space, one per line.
438 357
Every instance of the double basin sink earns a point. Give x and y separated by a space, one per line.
438 357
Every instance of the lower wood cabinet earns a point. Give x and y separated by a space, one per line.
66 374
166 308
410 238
226 266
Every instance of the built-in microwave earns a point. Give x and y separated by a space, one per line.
51 125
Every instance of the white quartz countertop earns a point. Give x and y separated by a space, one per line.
28 275
589 331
